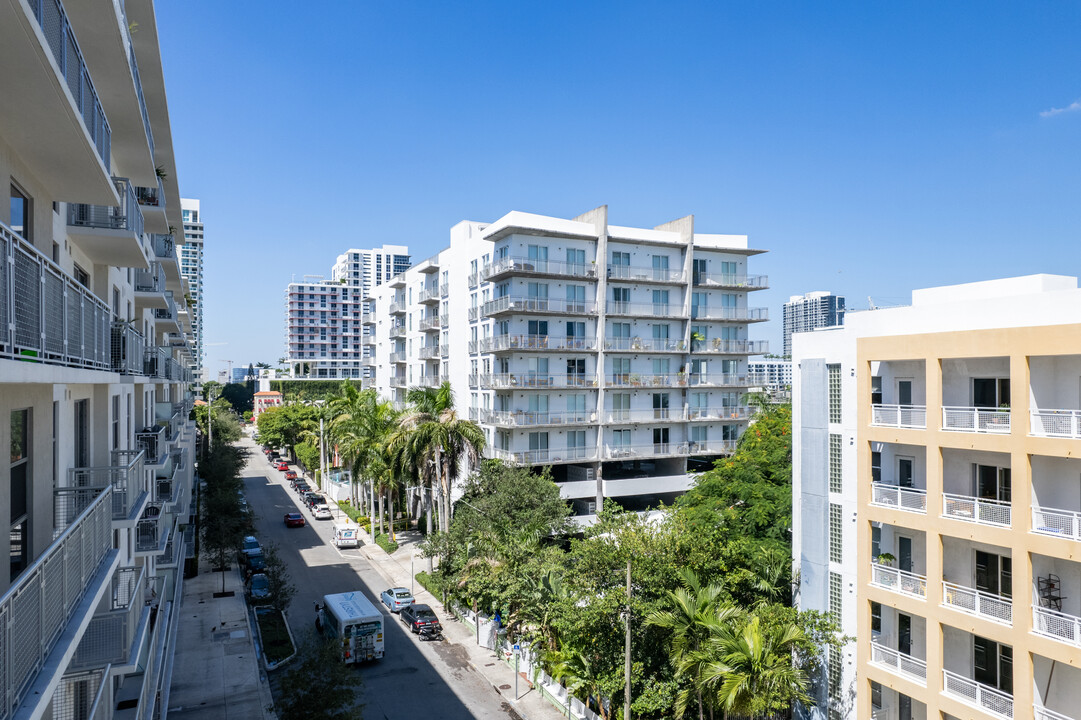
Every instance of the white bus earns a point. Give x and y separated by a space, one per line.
357 623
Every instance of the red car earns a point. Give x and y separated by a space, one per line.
282 465
294 519
291 475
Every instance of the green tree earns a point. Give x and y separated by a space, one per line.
578 673
318 685
239 396
282 589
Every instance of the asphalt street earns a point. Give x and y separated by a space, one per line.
414 679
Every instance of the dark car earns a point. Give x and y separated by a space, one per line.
417 616
255 562
258 587
301 488
294 519
309 498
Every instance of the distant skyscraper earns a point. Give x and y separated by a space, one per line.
803 313
191 267
327 320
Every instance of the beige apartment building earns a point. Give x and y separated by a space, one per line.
948 436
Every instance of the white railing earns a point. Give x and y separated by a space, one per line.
900 416
976 602
703 312
35 610
536 342
109 636
730 347
731 280
976 510
657 309
638 344
537 304
1060 523
669 449
429 323
538 457
528 380
897 580
899 662
657 415
902 498
646 274
976 419
529 418
977 694
429 293
1058 625
1056 423
538 266
1042 713
125 476
724 412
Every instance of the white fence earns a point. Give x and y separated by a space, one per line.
977 602
910 499
976 510
1056 423
900 416
974 419
978 694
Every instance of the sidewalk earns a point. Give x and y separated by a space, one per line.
216 670
530 705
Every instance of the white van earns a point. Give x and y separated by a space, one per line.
346 536
356 623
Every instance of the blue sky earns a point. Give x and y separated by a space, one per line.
872 148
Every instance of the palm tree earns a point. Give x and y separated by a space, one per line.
750 669
363 425
577 673
694 610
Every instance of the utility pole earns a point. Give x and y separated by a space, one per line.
322 458
627 647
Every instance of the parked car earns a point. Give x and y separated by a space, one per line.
258 587
396 598
322 512
282 465
309 498
302 487
256 562
250 545
290 474
418 616
294 519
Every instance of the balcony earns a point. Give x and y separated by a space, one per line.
533 267
529 381
398 382
87 693
110 235
622 344
430 381
397 308
513 343
398 357
472 280
152 442
110 637
543 306
976 510
728 281
899 498
167 318
474 314
638 274
49 601
1059 523
996 608
723 314
724 413
1058 625
527 418
976 420
654 415
124 476
899 663
150 286
429 352
55 106
899 416
545 457
150 536
718 346
429 296
669 449
898 581
430 324
1056 423
715 380
397 331
152 202
978 695
45 316
628 309
1042 713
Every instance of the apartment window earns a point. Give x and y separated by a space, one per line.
835 533
621 295
660 301
660 406
621 369
698 269
835 463
82 433
576 298
576 404
116 422
661 366
576 369
538 327
538 445
576 439
834 678
621 406
833 376
621 258
876 617
876 466
876 540
876 390
835 597
700 434
621 438
660 332
576 257
992 663
20 212
621 330
19 521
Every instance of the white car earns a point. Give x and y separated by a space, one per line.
321 512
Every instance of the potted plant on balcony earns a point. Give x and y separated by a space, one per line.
681 378
886 559
697 339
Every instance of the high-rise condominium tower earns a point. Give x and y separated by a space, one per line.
803 313
191 266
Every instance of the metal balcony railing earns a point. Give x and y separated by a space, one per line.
164 246
152 442
977 694
473 313
531 380
109 637
142 102
537 457
667 276
429 323
397 307
528 418
654 415
976 510
538 305
996 608
151 280
149 529
899 663
397 331
154 361
1042 713
976 419
901 498
127 349
644 344
430 381
472 282
1058 625
124 476
536 342
723 413
84 694
1056 423
726 280
153 197
534 266
398 357
45 315
69 58
398 382
169 311
126 216
703 312
1060 523
625 452
429 352
36 609
643 309
730 347
899 581
428 294
899 416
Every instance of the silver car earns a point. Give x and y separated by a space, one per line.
396 598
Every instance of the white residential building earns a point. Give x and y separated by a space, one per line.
191 267
804 313
617 356
773 374
937 501
325 319
95 346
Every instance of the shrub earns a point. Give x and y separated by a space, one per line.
386 543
